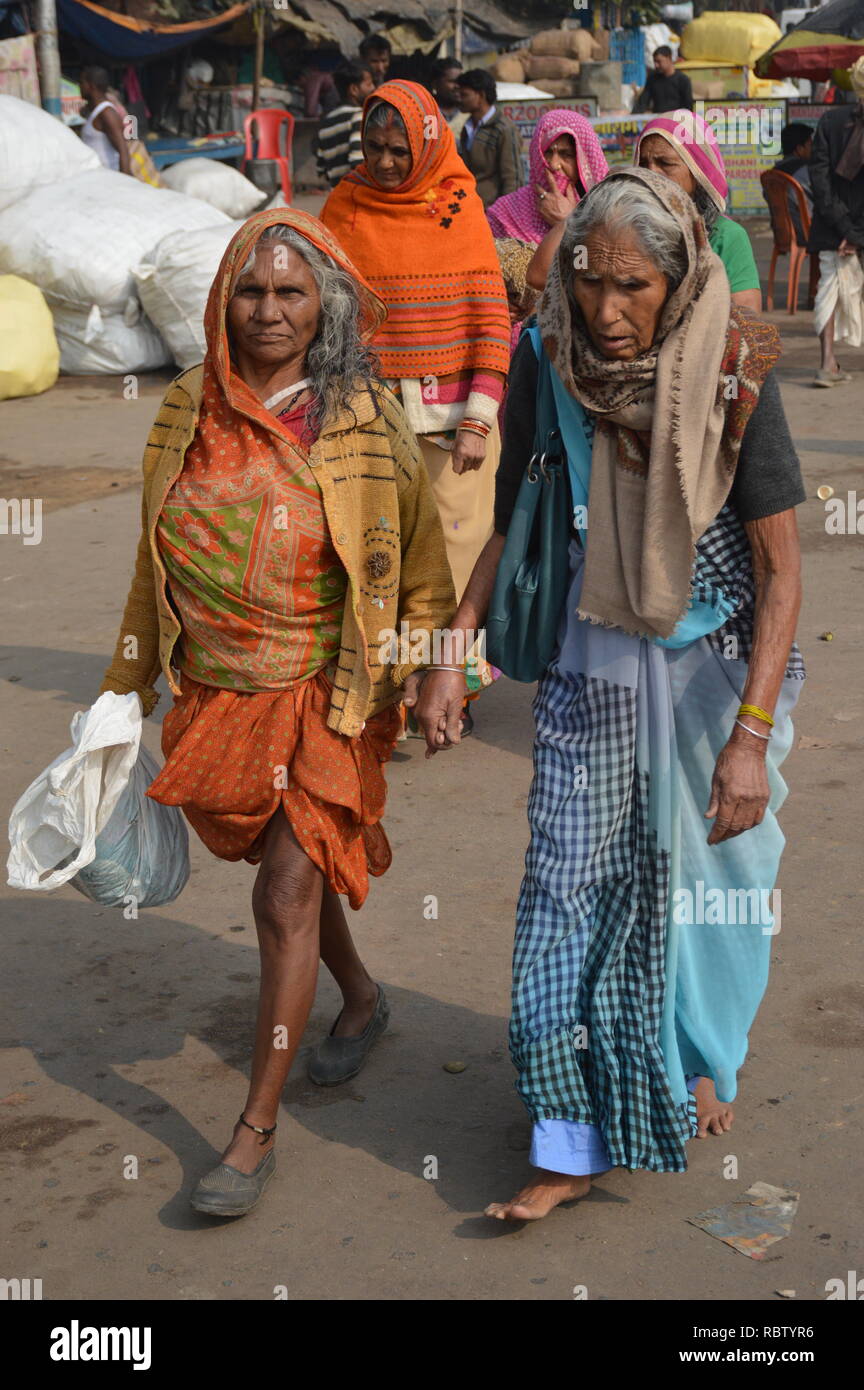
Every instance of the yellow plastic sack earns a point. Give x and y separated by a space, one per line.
723 36
29 355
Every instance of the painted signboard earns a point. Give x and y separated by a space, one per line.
526 114
748 133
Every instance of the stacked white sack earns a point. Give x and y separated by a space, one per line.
173 284
36 149
80 239
215 183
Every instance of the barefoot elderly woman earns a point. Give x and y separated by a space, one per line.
643 932
287 518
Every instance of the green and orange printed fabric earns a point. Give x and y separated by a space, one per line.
256 582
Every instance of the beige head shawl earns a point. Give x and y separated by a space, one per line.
661 468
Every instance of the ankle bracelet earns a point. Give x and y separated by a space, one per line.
259 1129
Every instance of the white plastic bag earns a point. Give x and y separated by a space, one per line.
214 183
53 826
849 319
174 282
142 854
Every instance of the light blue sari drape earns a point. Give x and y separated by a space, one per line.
641 952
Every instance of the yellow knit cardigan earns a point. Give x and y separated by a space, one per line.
383 521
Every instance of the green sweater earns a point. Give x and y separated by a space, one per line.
731 243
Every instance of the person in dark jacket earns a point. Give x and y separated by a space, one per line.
489 143
666 89
837 229
796 142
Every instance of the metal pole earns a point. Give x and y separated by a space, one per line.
49 57
458 35
260 20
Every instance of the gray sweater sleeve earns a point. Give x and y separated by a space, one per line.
768 476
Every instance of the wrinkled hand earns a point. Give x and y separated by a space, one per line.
739 790
555 207
436 698
468 452
846 248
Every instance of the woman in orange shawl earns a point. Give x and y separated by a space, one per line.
415 227
287 517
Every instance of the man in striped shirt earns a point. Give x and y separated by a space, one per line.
339 143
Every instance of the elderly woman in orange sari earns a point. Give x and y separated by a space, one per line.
287 519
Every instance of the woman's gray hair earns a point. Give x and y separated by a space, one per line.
626 203
382 114
337 357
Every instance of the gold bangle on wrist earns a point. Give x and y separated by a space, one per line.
757 714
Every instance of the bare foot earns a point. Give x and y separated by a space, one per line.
713 1116
356 1013
246 1151
540 1195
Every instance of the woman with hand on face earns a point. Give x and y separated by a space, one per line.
287 517
643 934
565 160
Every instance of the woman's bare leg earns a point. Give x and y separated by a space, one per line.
339 954
286 902
826 341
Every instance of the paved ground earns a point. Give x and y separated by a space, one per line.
131 1038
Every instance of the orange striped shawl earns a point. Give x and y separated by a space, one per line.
426 249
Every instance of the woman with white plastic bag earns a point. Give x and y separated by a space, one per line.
287 520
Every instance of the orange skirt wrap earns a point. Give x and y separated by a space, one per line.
232 758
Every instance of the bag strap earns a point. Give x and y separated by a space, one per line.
558 412
546 416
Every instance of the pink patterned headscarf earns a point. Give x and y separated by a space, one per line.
518 214
693 139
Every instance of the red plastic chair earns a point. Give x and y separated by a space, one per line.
775 186
270 123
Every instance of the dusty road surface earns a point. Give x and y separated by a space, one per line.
131 1038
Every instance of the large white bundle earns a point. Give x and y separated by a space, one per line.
173 284
80 240
93 341
36 149
218 184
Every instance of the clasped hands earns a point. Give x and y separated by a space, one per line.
436 699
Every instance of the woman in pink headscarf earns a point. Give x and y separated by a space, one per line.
683 147
565 160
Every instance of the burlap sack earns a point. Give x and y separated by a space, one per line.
566 43
563 87
545 68
508 69
554 43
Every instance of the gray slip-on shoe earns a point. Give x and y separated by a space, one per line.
338 1059
225 1191
829 379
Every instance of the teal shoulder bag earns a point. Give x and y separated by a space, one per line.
533 573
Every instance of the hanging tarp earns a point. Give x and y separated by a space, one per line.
121 37
828 38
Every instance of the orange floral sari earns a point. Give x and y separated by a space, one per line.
261 607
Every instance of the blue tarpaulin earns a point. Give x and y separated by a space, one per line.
120 37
